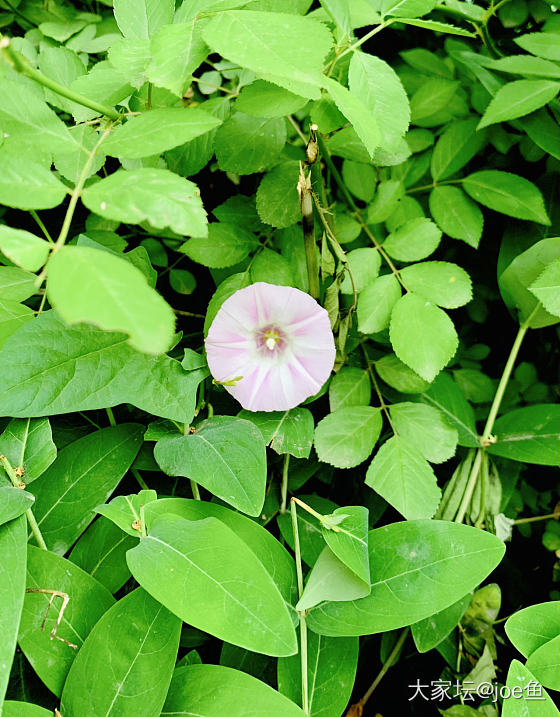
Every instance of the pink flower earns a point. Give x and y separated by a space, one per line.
271 346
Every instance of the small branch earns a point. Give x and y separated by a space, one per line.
382 403
16 481
301 614
535 518
141 482
284 488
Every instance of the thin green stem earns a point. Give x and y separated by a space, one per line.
111 416
195 490
301 614
18 483
21 64
368 36
469 490
41 225
284 489
433 185
386 665
535 518
141 482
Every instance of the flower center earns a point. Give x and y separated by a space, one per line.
271 339
270 342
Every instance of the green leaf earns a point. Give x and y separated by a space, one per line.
345 438
156 195
126 510
225 245
544 663
364 263
437 27
401 475
88 600
13 550
23 248
414 240
24 709
49 368
524 65
228 593
516 281
277 197
284 431
532 627
246 144
349 387
356 112
456 214
326 657
418 567
382 92
406 8
12 315
158 130
331 579
422 335
431 97
140 19
103 84
214 691
517 99
398 375
131 57
387 197
376 302
176 52
310 535
546 288
90 286
226 455
285 49
542 44
425 429
83 475
349 543
28 444
126 663
441 282
13 502
527 700
529 434
25 184
455 148
430 631
16 284
508 194
264 99
446 395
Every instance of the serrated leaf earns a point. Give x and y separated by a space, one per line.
225 245
414 240
16 284
23 248
285 431
546 288
176 52
364 263
265 99
246 144
349 387
277 198
358 114
455 147
376 303
25 184
437 26
12 316
397 374
542 44
441 282
517 99
424 429
139 19
345 438
456 214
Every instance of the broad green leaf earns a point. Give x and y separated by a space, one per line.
349 387
13 708
455 147
225 245
277 197
397 374
422 335
23 248
345 438
104 84
414 240
542 44
158 130
532 627
13 550
310 535
517 99
441 282
16 284
228 593
176 52
264 99
406 8
28 444
357 112
508 194
131 57
88 600
519 276
12 316
456 214
364 263
529 434
544 663
64 66
524 65
284 431
382 92
215 691
246 144
126 510
285 49
430 631
90 286
83 475
13 502
156 195
376 303
101 551
546 288
424 428
431 97
331 579
446 395
527 699
349 543
139 19
275 558
331 669
437 26
25 184
418 568
226 455
401 475
386 201
49 368
126 663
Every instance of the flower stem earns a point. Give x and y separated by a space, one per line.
284 489
17 483
301 614
141 482
195 490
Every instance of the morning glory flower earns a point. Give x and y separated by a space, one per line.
270 346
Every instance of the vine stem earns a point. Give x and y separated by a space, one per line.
284 489
301 614
17 483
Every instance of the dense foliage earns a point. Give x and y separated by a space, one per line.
164 551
